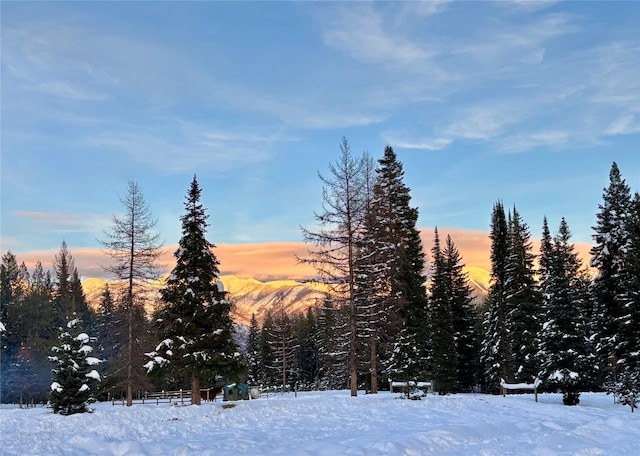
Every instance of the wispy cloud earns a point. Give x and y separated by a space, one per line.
403 141
66 221
362 33
179 145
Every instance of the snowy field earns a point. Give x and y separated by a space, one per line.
332 423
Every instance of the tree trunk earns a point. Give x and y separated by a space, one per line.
130 318
353 363
130 352
284 363
195 389
374 365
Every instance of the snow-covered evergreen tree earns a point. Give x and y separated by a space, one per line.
626 385
253 352
496 350
74 377
626 389
562 352
465 321
332 336
523 300
399 249
196 328
444 356
611 237
629 339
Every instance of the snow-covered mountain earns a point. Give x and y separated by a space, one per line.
252 296
248 295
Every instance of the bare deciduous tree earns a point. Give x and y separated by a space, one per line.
134 249
341 221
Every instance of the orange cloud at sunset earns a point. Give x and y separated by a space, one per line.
277 260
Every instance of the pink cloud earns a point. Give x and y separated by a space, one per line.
277 260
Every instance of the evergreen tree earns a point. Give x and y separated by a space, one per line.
626 387
74 377
562 353
465 322
268 360
284 344
629 345
16 355
63 267
308 350
611 237
523 299
333 345
399 250
444 353
197 330
253 352
496 351
371 286
110 343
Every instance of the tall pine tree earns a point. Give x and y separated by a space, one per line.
562 352
197 330
611 237
465 321
399 250
523 300
496 351
444 354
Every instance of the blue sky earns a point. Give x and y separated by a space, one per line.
528 102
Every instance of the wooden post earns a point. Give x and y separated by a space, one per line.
535 392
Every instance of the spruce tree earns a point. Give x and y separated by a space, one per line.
197 330
562 353
308 350
465 322
496 350
63 267
444 354
110 341
74 378
611 237
253 352
629 345
523 300
626 387
399 250
267 357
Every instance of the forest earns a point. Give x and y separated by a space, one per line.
388 313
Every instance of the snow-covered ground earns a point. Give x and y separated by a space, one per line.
332 423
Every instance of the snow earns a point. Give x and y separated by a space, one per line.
523 386
333 423
93 374
91 361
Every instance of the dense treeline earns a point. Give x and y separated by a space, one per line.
387 315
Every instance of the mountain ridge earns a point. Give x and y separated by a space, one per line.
251 296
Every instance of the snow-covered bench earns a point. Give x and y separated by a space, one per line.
402 386
504 386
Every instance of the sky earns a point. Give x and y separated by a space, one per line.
520 101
